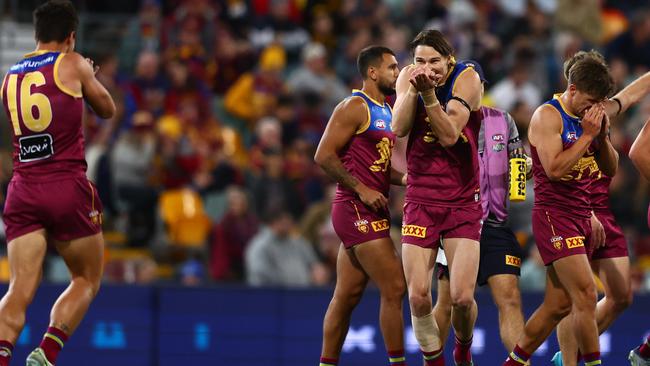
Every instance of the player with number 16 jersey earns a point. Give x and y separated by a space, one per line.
49 199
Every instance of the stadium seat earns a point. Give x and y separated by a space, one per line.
184 216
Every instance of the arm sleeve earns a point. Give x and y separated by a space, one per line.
514 142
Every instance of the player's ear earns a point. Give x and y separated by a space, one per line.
372 73
572 89
71 40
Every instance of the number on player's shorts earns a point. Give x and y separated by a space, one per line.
28 101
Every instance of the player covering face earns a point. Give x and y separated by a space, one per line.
437 107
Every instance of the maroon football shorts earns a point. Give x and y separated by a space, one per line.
615 244
425 225
355 223
67 209
560 235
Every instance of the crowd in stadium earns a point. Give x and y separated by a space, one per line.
207 168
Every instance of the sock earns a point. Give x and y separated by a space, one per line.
52 343
592 359
396 358
434 358
517 357
328 361
644 350
462 351
6 349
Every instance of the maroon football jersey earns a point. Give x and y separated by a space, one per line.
45 117
443 176
572 193
600 191
367 155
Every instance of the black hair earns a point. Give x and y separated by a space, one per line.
55 20
371 56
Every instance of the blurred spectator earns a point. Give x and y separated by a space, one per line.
142 33
633 46
254 94
516 87
146 90
232 58
345 62
231 236
131 159
277 21
581 17
277 256
192 272
314 76
273 190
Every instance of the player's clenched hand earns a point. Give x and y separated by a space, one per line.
593 119
597 239
92 64
423 79
373 199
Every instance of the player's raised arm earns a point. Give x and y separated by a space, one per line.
348 117
447 125
545 135
93 91
640 151
629 96
405 104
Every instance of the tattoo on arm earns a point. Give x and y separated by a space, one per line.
335 169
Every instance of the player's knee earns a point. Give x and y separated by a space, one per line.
560 310
585 298
90 286
462 300
622 302
394 291
508 302
348 300
420 303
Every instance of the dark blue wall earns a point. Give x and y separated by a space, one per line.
243 327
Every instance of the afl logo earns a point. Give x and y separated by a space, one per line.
380 124
497 137
572 136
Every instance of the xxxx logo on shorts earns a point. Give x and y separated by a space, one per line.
380 225
362 226
513 261
414 230
575 242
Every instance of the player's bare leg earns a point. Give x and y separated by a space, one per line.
382 264
555 307
351 281
506 296
615 276
463 256
572 273
442 309
418 269
26 254
84 259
